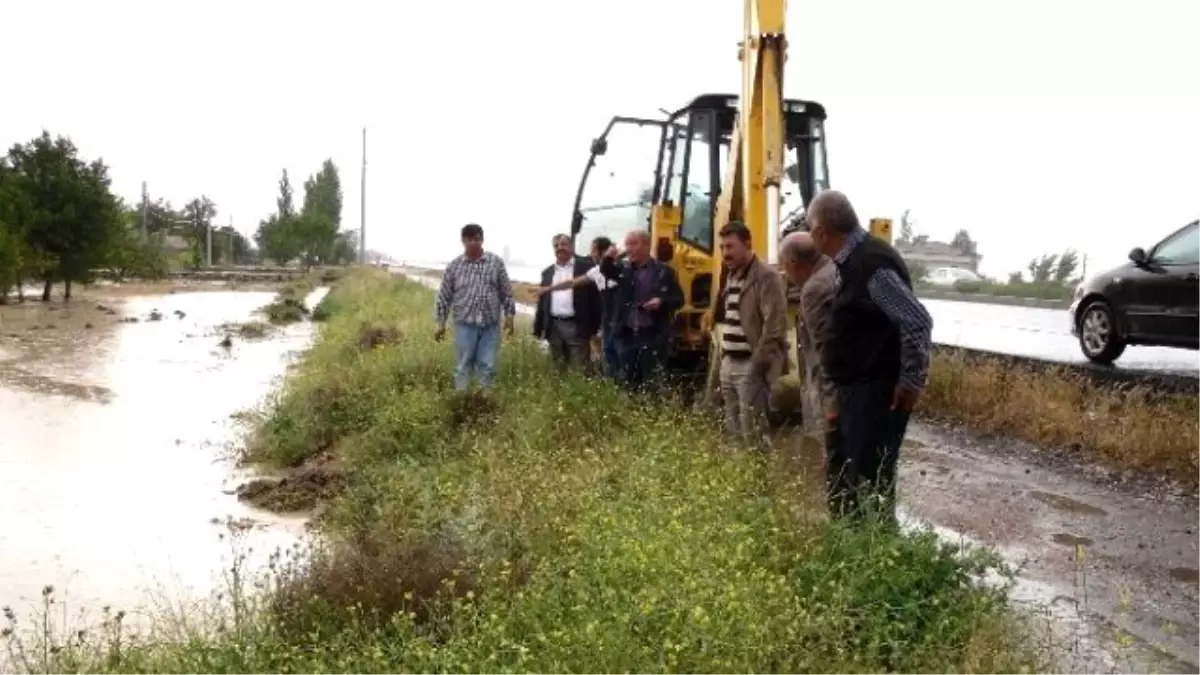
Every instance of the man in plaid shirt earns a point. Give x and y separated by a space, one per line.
476 289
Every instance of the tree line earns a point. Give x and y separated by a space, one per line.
61 223
313 234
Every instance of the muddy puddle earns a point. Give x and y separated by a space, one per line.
1107 572
1104 563
115 462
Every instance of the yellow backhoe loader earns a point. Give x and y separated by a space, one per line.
722 157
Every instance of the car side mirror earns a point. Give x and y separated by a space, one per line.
599 146
1138 256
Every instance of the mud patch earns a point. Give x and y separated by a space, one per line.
1070 540
302 489
471 408
371 336
1066 503
1186 574
13 375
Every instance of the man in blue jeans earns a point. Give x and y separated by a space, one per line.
477 290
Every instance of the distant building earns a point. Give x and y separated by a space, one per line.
506 254
931 254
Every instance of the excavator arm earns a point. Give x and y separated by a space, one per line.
750 189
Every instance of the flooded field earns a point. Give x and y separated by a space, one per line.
114 458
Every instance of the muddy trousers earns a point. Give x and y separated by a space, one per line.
862 449
746 397
475 349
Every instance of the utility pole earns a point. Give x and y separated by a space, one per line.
362 227
145 208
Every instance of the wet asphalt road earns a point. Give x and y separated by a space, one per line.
1110 557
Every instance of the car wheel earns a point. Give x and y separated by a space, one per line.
1098 337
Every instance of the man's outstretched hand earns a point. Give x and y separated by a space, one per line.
439 334
508 326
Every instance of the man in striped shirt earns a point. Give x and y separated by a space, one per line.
752 311
476 289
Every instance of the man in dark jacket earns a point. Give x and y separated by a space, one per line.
567 318
647 296
876 354
606 288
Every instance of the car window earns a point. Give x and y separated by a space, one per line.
1183 248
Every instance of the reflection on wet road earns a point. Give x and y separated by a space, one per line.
111 495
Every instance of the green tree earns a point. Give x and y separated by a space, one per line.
285 206
906 228
323 193
133 254
198 214
74 219
278 236
1068 263
345 250
14 214
321 216
963 242
1041 269
230 247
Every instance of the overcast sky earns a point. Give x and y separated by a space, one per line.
1035 125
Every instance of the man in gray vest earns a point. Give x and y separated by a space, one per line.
813 273
876 352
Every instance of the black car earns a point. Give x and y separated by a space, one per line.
1154 299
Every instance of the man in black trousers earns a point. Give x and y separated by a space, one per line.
569 317
876 353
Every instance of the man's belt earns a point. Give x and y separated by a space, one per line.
738 355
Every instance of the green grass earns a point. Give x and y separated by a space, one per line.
288 305
557 525
1036 290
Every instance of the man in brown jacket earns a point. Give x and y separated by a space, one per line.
752 313
813 274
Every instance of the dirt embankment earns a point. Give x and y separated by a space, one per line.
320 477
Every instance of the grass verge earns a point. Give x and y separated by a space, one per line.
1131 428
557 525
288 305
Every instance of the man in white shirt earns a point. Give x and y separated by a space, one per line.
592 277
567 316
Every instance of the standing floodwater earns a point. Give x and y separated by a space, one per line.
115 451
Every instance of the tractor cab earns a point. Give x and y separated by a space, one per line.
665 176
